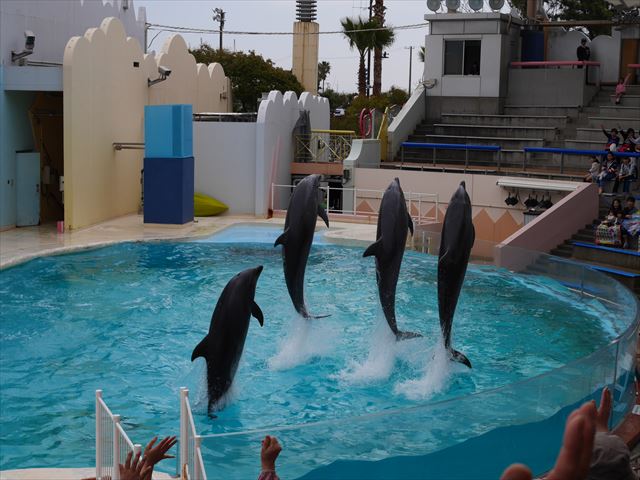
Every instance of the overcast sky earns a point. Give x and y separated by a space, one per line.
279 15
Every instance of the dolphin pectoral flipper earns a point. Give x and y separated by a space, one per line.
257 313
201 349
460 357
282 239
373 249
410 223
407 335
323 215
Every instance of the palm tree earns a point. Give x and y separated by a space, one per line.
363 36
421 54
323 70
384 39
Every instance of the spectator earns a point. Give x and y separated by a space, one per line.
621 87
615 211
608 171
625 175
268 455
629 220
610 457
592 175
583 52
142 468
612 137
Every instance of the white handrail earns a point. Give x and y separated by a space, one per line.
112 442
192 465
410 197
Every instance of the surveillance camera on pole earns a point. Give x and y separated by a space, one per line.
164 74
29 44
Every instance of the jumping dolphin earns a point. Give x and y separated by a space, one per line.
457 239
222 347
296 239
391 237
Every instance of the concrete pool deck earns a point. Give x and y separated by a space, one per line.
19 245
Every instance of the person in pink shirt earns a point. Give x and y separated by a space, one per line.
621 88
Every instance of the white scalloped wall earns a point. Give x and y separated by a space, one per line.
104 99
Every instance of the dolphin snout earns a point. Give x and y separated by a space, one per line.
258 270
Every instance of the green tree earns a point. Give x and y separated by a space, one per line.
383 39
250 75
362 36
575 10
323 71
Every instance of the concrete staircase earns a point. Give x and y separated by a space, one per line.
564 126
621 264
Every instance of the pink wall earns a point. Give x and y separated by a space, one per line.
553 227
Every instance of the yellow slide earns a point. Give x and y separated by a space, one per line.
206 206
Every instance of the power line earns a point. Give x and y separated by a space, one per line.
178 29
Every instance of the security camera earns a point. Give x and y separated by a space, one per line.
29 44
164 73
30 40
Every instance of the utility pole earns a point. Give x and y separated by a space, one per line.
410 58
218 16
369 52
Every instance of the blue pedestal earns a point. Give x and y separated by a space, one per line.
168 190
168 131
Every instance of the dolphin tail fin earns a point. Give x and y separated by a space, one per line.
201 349
282 239
460 357
410 223
373 249
407 335
323 215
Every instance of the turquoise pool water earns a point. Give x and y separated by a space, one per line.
126 318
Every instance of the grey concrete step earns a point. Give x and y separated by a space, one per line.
617 122
626 100
619 111
585 144
613 257
552 110
593 134
559 121
546 133
504 142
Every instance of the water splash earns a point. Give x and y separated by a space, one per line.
380 359
307 339
198 390
436 375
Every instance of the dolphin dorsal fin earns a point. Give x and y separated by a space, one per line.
373 249
201 349
282 239
323 215
257 313
410 223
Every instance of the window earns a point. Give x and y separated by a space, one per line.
462 57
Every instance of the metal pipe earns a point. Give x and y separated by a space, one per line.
184 396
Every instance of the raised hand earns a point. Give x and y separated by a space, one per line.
270 451
135 469
153 455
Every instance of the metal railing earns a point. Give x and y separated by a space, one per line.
453 146
323 146
112 442
191 464
571 151
128 145
415 202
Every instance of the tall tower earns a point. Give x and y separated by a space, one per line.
305 45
